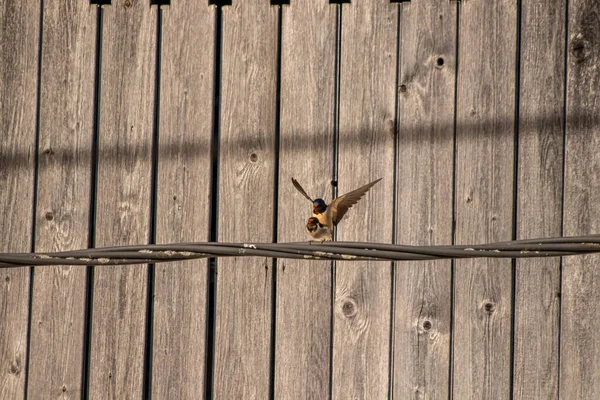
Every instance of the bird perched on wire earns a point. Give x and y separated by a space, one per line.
317 231
330 215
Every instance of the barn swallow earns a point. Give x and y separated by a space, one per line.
330 215
317 231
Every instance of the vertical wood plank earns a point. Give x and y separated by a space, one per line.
19 35
183 198
484 197
303 331
362 310
63 201
539 197
424 192
248 110
580 365
123 197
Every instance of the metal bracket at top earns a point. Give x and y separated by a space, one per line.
219 2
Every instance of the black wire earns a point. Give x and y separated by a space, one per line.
342 251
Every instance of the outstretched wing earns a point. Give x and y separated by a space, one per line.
340 206
300 189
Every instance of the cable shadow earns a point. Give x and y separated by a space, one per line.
198 145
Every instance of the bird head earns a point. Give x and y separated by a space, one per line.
319 206
312 224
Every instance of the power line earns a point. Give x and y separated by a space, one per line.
343 251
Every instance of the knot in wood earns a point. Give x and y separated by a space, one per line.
579 48
419 392
253 157
49 216
427 325
349 308
14 369
489 307
402 88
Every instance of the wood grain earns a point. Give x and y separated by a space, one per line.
248 110
539 198
362 313
579 348
424 191
183 200
484 197
18 93
63 198
123 197
303 333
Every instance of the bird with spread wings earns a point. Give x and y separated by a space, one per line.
328 216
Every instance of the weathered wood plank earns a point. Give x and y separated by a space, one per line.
362 313
579 348
123 197
539 197
484 197
19 35
424 192
182 199
63 198
248 109
303 333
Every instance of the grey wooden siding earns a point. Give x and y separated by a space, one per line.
131 122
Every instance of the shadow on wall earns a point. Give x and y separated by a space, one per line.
193 147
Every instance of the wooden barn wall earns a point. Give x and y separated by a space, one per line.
138 121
